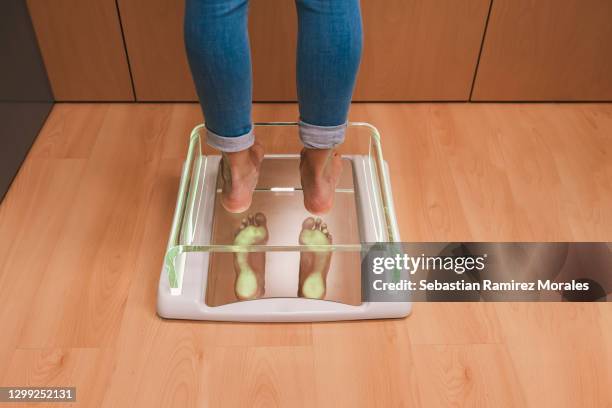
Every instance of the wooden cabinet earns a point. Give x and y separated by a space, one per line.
82 48
420 49
153 31
547 50
413 49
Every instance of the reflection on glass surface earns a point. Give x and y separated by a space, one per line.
277 217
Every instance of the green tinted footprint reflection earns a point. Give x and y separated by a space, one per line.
250 266
314 265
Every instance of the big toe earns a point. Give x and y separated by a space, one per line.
308 223
260 219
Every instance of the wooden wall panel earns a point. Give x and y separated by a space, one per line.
153 31
413 49
273 33
547 50
83 49
420 49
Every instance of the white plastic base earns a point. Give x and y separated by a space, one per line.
188 303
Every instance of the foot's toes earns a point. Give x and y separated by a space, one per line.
317 223
260 219
239 231
308 223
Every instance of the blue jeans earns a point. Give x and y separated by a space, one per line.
328 55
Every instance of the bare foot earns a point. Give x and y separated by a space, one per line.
250 267
314 266
320 171
239 171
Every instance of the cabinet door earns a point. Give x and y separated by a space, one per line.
420 49
82 48
547 50
153 31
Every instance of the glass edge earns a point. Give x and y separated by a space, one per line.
388 207
178 249
173 247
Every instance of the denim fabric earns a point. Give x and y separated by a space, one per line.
328 56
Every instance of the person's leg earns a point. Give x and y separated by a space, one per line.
329 52
217 44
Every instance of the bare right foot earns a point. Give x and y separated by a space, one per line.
314 265
239 172
250 267
320 172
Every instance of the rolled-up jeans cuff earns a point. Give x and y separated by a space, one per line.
321 137
230 144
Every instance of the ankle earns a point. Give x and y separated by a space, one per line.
317 154
239 164
316 159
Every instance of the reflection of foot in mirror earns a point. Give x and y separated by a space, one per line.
314 266
250 266
320 172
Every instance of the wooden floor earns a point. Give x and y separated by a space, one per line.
84 227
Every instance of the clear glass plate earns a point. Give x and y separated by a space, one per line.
201 225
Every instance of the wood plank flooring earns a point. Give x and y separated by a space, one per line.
84 227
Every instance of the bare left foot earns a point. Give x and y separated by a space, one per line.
314 265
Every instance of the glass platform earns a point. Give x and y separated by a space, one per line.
199 271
